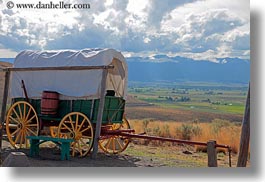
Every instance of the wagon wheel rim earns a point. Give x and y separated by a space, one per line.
21 121
116 144
78 127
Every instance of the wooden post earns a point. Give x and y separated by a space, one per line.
245 135
212 154
3 110
100 113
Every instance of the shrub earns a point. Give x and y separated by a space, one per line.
145 125
188 131
166 132
196 130
217 124
156 131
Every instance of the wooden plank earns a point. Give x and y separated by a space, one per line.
212 154
69 68
47 138
245 135
3 110
100 113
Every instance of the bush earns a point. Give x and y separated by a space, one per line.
188 131
217 124
156 131
166 132
145 125
196 130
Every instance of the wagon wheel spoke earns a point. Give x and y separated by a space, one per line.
14 110
115 144
26 141
118 141
69 129
19 113
32 132
17 130
18 136
79 148
31 125
88 128
107 145
87 137
13 119
76 122
84 144
21 139
80 126
73 148
24 111
28 114
81 133
71 122
31 119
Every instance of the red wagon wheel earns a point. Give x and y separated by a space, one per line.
116 144
77 126
21 121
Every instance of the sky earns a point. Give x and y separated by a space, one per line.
196 29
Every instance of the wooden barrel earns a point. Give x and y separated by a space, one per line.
49 102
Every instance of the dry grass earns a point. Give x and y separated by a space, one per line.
223 131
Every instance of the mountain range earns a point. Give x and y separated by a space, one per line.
162 68
174 69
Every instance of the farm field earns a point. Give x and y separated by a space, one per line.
191 101
189 111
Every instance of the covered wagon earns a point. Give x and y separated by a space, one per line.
76 94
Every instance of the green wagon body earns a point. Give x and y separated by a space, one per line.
113 109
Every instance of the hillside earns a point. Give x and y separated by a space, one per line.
177 69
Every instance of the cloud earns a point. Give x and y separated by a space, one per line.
205 30
205 27
158 9
7 53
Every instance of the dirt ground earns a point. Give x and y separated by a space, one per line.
50 157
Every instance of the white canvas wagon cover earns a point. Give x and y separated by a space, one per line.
73 84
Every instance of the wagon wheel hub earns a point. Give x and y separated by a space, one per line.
78 136
72 135
21 126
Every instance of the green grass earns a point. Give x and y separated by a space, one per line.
230 101
166 157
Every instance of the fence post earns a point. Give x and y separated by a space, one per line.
3 109
245 135
212 154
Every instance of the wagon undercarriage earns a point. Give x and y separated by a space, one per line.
24 120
